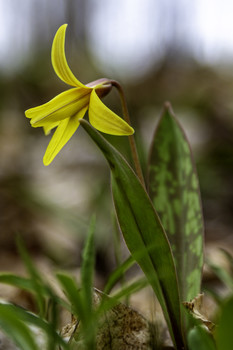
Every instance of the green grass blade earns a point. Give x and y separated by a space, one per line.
222 274
143 233
80 309
15 328
131 288
229 258
224 336
174 190
81 299
87 268
73 294
108 302
117 274
38 285
29 318
25 283
16 281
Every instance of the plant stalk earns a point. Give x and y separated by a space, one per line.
132 142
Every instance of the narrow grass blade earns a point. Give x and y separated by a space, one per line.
117 274
229 258
87 268
72 292
131 288
81 299
224 336
222 274
35 278
174 190
108 302
81 310
16 329
16 281
25 283
143 233
31 319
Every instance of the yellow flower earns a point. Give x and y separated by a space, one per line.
66 109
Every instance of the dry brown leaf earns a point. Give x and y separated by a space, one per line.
194 307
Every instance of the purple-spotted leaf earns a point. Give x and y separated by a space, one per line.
174 190
143 233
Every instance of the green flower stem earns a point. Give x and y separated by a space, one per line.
132 142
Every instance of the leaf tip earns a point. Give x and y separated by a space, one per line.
168 107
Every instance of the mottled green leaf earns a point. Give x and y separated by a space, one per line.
143 233
174 190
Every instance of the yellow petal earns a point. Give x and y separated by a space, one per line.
64 105
59 61
63 133
103 119
49 127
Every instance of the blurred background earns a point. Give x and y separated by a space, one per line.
160 50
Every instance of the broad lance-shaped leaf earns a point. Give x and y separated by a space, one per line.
174 190
143 233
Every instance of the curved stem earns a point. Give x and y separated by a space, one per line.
131 137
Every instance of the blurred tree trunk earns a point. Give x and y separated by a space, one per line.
76 17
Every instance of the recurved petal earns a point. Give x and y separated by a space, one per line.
103 119
59 61
61 136
63 106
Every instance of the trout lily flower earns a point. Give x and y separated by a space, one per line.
65 110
